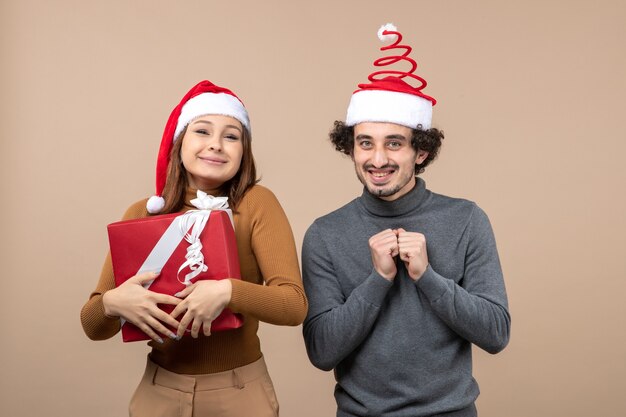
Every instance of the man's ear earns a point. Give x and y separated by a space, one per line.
420 157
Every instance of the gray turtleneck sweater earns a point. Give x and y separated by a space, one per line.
403 348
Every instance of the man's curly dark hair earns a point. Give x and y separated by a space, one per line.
342 137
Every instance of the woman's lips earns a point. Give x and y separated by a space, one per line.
212 160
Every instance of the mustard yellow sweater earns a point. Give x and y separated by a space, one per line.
270 290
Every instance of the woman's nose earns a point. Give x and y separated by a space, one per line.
215 144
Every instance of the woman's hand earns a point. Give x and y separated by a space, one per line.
203 302
138 305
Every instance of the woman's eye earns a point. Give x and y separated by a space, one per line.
232 137
202 131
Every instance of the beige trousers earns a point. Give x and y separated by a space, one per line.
240 392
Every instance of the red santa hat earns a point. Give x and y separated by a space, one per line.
391 99
204 98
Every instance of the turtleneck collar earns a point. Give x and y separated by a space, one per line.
399 207
192 193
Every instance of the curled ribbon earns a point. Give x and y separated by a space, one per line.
196 220
389 60
399 53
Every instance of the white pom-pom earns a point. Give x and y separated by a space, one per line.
155 204
390 27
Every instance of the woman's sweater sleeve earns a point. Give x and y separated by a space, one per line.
281 300
96 324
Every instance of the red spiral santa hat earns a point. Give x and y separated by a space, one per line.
391 99
203 99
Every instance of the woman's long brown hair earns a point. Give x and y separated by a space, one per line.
177 183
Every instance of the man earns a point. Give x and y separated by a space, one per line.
401 281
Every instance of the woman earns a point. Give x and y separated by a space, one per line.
206 146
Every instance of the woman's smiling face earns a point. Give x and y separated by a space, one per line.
211 150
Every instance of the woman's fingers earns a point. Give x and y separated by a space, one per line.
198 324
148 330
140 307
157 326
178 310
163 317
153 322
186 291
198 305
206 327
195 327
154 329
203 302
144 278
166 299
184 323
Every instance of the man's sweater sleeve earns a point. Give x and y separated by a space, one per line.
476 308
335 325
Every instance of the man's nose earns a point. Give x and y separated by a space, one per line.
379 158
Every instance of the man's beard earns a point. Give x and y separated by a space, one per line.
381 192
384 193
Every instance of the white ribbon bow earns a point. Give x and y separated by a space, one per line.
196 220
205 201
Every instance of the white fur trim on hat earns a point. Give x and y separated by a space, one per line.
212 103
390 107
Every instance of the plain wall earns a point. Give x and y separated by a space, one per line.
531 101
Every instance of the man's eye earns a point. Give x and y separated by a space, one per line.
365 143
394 145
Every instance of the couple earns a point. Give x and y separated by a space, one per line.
397 284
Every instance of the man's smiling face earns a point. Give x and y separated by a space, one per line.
384 159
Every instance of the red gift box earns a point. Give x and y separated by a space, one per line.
137 246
